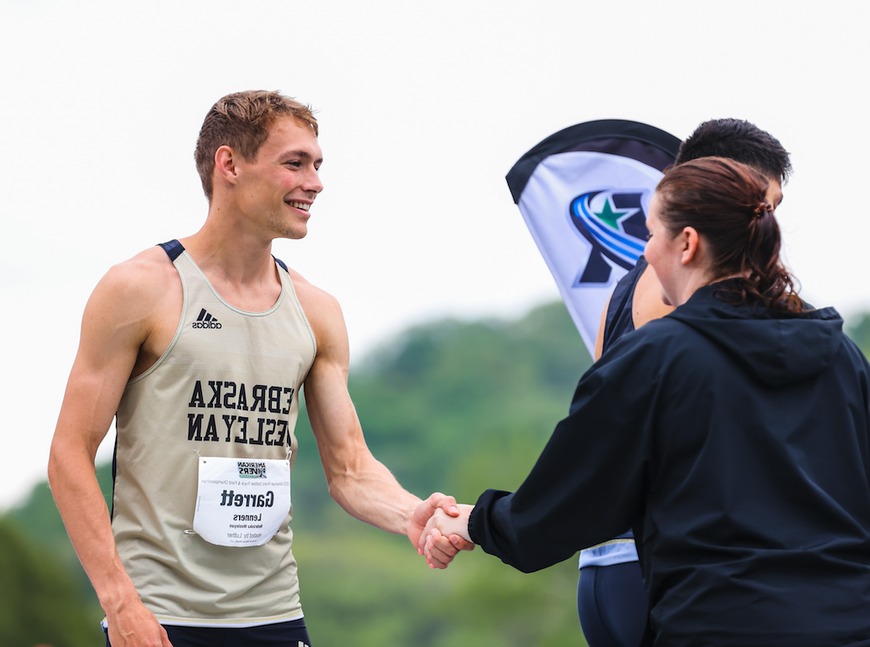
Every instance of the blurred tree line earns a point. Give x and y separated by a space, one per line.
450 406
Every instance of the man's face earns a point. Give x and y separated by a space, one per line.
774 193
276 190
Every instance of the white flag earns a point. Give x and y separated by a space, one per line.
584 193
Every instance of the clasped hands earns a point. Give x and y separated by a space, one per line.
441 528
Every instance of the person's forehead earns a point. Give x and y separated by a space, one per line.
290 133
654 205
291 127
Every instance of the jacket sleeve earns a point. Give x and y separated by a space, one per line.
587 485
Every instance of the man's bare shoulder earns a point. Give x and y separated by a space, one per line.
315 301
139 284
149 269
137 305
323 313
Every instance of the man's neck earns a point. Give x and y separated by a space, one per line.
240 266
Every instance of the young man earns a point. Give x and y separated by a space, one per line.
611 599
200 347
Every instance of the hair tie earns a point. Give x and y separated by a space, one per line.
761 210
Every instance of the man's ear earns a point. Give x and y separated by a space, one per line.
691 241
225 164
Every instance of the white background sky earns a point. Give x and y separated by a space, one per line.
423 109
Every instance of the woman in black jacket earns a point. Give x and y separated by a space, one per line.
732 436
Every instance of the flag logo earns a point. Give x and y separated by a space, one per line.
614 222
584 192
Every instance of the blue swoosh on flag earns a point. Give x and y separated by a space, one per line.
619 243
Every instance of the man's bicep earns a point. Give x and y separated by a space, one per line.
112 332
89 404
330 410
326 398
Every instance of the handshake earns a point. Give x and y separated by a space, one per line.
440 526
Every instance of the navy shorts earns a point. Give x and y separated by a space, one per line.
281 634
613 605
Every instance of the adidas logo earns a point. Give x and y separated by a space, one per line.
205 320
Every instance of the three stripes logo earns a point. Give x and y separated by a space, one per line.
205 320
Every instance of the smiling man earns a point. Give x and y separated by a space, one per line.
200 346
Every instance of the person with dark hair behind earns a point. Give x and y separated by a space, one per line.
732 435
611 601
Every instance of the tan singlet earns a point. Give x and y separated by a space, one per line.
227 386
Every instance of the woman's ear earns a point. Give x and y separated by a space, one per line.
691 242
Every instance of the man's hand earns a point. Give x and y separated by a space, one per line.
133 625
444 547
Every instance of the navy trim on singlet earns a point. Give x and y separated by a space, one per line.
619 320
282 264
173 249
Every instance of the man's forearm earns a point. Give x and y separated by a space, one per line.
83 509
370 493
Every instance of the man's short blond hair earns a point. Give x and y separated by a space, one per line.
241 121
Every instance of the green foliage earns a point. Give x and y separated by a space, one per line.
39 520
40 601
437 389
450 406
859 332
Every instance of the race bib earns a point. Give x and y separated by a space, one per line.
241 501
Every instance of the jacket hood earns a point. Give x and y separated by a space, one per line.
777 347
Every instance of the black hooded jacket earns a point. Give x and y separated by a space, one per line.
735 442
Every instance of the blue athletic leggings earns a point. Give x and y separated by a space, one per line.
282 634
612 604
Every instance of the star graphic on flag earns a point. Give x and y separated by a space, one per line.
610 217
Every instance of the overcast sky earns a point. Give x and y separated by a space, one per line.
423 109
